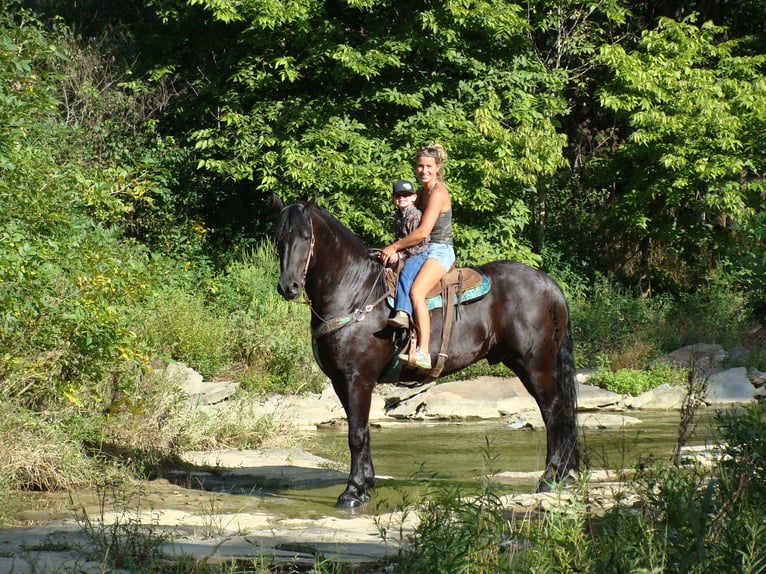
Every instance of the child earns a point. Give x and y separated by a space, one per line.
407 219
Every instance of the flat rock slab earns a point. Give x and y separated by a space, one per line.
532 420
270 468
485 398
591 397
664 397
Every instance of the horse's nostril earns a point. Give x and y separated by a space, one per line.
290 291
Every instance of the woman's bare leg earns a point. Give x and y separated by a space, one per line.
429 275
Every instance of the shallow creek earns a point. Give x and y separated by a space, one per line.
458 454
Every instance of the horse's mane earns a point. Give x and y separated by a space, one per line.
288 221
341 229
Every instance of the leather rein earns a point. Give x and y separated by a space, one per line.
332 324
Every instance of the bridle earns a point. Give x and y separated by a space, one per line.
312 242
332 324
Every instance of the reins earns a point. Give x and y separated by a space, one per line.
331 325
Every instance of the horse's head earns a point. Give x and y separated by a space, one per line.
295 245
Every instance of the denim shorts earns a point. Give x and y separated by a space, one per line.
443 253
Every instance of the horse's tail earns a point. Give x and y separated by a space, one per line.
564 377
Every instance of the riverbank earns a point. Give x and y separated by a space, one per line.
219 518
275 505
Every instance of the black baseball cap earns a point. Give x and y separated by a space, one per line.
403 187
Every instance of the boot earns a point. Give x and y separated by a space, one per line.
401 320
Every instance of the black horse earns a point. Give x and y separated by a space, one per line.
523 322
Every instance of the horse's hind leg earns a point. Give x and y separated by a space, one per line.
553 387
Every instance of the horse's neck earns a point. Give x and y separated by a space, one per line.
342 275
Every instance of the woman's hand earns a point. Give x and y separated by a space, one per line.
388 255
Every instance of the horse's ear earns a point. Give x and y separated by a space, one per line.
279 205
311 203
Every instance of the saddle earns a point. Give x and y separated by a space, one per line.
459 285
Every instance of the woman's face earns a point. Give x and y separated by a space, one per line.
427 170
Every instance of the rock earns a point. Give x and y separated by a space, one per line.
582 375
664 397
757 378
271 468
526 420
409 409
738 355
532 420
310 411
393 394
590 397
195 388
474 399
211 393
450 406
703 357
731 386
182 374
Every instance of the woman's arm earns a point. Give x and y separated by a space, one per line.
438 201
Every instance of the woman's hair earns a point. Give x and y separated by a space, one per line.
437 152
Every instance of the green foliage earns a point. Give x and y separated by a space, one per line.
311 100
39 453
612 327
714 312
695 519
68 285
271 335
559 540
635 381
608 322
236 324
749 264
457 533
687 519
181 326
27 86
692 167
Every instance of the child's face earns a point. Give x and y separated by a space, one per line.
403 201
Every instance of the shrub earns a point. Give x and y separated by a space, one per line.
39 453
714 313
181 326
635 381
607 322
692 518
271 336
457 533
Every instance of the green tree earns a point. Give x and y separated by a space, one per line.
690 170
67 282
332 99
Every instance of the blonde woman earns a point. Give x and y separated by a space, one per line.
436 226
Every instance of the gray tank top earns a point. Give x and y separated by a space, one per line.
442 230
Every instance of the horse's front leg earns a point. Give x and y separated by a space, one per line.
362 476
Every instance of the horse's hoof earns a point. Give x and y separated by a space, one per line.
350 502
549 483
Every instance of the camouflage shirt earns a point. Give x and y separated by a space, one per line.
404 223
